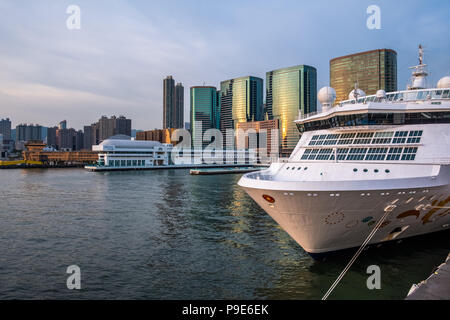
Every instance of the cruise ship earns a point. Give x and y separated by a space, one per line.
358 160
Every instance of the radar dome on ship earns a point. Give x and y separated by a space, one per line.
326 96
444 83
381 94
359 93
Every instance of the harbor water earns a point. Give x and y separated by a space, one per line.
166 234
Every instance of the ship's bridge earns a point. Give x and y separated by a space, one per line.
425 106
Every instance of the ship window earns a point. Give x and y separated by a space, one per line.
446 94
414 136
299 168
293 168
287 168
363 138
313 154
306 154
346 138
376 119
342 153
356 154
400 137
387 170
376 170
324 154
382 137
376 154
365 170
394 154
355 170
409 153
313 140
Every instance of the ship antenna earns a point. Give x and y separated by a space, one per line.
419 74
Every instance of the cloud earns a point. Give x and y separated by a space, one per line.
116 63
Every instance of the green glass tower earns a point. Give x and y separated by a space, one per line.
241 100
290 91
204 113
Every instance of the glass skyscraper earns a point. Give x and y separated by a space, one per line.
290 91
241 100
204 113
372 70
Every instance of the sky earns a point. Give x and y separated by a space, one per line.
116 62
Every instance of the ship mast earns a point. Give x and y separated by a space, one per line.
419 74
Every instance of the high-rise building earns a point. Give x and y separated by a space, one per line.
62 125
108 127
266 138
168 101
26 132
179 106
104 129
371 70
241 100
161 135
51 137
173 104
5 128
88 137
204 108
290 91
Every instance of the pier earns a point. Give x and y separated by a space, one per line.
436 287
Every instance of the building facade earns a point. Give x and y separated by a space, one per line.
5 128
161 135
241 100
25 132
290 91
179 106
266 139
204 113
173 104
104 129
51 137
132 154
371 70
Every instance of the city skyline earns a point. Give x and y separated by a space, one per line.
51 73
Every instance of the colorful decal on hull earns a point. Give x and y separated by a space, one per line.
366 219
427 217
409 213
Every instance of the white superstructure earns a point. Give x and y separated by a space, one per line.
357 160
132 154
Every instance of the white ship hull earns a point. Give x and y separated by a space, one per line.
325 216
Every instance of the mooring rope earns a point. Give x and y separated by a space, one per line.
361 248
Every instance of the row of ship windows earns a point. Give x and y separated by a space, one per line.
367 138
354 154
366 194
354 170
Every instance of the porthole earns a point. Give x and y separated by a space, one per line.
306 168
376 170
365 170
387 170
355 170
287 168
299 168
293 168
